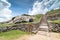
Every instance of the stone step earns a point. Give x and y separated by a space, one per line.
43 29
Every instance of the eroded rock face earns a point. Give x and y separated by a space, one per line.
20 19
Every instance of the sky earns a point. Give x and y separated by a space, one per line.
11 8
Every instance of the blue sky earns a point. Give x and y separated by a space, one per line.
21 6
11 8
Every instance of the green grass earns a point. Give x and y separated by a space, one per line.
6 24
53 11
38 17
11 35
55 21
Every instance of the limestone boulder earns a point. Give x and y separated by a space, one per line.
19 19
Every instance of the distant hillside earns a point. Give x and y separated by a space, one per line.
53 14
53 11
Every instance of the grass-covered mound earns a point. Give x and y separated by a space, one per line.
11 35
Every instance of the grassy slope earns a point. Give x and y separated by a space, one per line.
11 35
53 11
37 18
6 24
55 21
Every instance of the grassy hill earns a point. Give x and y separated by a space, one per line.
54 13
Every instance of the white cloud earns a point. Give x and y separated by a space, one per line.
38 7
44 6
5 12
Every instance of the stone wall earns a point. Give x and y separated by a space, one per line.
24 27
54 27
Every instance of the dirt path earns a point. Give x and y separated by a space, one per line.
41 35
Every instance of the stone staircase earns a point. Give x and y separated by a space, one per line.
44 24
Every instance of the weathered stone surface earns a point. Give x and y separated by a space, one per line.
19 19
55 27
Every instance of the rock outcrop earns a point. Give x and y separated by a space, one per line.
19 19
